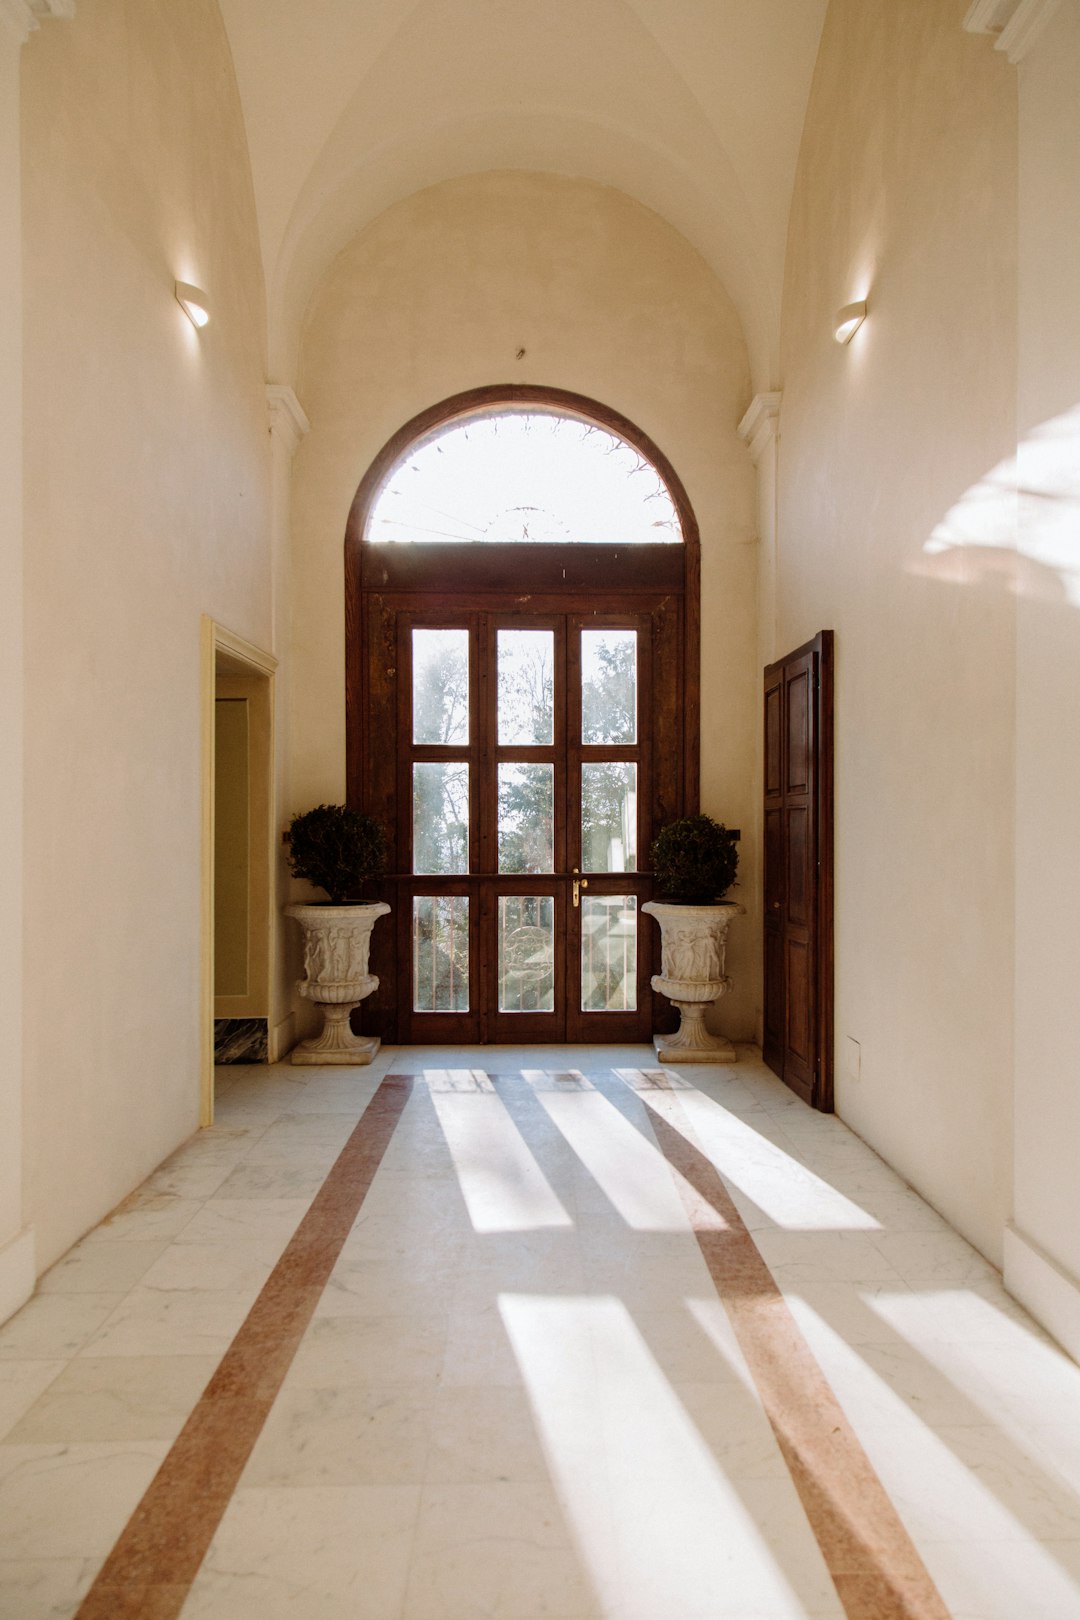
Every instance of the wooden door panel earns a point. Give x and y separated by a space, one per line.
773 1046
774 740
797 983
798 752
798 856
774 863
797 925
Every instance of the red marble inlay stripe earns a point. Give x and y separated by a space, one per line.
875 1567
149 1572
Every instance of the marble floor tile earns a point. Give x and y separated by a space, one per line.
240 1267
331 1553
115 1398
933 1257
1031 1580
43 1588
102 1268
21 1383
363 1434
338 1352
179 1322
221 1143
198 1180
262 1224
149 1217
478 1351
328 1093
70 1501
734 1428
52 1327
484 1435
798 1258
494 1552
273 1180
384 1291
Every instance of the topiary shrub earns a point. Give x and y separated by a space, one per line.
694 860
337 849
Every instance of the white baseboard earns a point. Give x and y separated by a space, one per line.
1048 1292
17 1272
282 1039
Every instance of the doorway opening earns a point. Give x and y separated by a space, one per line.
238 855
522 713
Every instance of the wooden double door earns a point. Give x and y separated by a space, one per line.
523 748
798 870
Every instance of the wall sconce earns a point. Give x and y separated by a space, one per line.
848 321
193 301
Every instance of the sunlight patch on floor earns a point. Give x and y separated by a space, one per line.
660 1525
504 1188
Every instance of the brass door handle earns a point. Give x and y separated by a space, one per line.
579 884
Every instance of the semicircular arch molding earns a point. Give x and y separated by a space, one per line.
715 223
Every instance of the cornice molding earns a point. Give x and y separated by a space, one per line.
1015 24
288 419
761 424
23 16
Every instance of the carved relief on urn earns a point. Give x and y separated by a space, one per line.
692 976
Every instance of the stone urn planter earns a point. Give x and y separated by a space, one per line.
693 943
336 978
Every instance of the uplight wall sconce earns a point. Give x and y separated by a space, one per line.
194 302
848 321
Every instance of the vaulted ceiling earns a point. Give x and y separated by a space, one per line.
693 107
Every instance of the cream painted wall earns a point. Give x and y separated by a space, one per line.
437 296
906 195
16 1241
1047 1206
146 505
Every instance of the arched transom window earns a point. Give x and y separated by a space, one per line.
524 475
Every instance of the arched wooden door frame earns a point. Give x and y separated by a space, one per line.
367 577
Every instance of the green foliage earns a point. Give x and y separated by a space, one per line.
694 860
337 849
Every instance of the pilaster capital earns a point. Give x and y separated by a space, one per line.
1015 24
288 419
21 17
761 424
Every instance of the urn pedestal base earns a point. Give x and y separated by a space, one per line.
335 1042
692 1042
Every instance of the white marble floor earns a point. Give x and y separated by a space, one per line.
520 1397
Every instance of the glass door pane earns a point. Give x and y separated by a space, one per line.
609 953
441 953
526 953
609 817
440 687
525 663
440 816
526 818
609 686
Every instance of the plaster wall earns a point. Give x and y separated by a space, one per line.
606 299
16 1259
146 506
906 196
1047 1202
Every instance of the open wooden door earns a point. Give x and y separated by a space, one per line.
798 870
